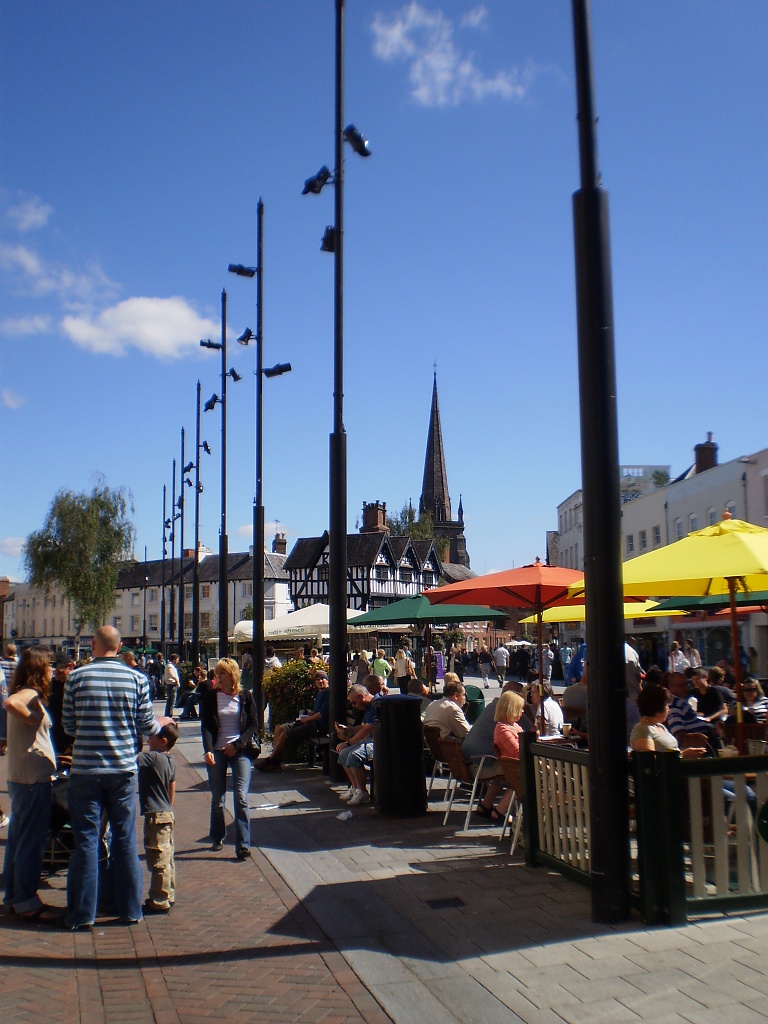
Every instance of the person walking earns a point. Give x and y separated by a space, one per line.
106 708
230 740
172 684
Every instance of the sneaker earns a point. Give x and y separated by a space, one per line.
348 793
152 908
217 847
243 853
5 819
360 797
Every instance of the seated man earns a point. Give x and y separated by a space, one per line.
288 736
681 718
447 713
356 747
190 698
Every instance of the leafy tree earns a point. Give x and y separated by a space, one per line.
248 612
83 542
405 524
660 478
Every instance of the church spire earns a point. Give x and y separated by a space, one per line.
434 491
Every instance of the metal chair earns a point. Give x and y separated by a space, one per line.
432 742
513 819
468 775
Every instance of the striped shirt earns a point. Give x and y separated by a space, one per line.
106 708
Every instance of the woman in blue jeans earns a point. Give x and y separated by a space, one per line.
230 740
31 764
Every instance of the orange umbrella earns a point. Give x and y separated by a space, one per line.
536 586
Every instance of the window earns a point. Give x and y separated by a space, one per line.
117 622
406 575
322 571
153 620
678 529
134 623
205 620
643 537
134 599
187 620
152 597
693 521
205 591
630 543
429 579
45 627
656 536
246 589
61 626
730 506
382 574
711 516
188 591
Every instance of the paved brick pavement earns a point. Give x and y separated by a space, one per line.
374 919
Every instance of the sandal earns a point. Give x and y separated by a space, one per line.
43 915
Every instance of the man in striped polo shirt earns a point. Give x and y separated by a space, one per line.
106 709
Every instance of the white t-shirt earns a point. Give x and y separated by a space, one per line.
171 674
229 720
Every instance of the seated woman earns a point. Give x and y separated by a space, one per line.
506 738
650 733
553 713
754 704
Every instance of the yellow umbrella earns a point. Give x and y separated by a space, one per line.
727 557
731 555
578 612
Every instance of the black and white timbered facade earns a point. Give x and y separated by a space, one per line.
380 570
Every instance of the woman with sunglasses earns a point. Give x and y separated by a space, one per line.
230 740
754 704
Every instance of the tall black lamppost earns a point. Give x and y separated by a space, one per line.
258 499
195 653
609 803
333 241
146 581
183 479
171 524
223 541
165 552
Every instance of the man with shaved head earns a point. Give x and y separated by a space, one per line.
106 708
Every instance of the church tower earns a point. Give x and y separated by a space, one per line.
435 498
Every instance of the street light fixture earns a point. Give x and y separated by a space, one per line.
257 596
337 577
204 446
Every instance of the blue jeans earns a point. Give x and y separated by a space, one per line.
30 818
170 700
89 795
240 766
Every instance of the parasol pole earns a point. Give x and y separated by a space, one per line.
736 665
540 648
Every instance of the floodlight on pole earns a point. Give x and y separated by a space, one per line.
317 182
242 271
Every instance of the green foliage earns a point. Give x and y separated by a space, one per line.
405 524
660 478
83 542
453 636
289 689
247 612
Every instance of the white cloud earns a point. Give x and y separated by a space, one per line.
165 328
11 400
244 531
70 286
476 18
11 546
25 325
29 214
441 75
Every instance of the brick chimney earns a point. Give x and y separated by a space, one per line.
706 454
279 544
374 517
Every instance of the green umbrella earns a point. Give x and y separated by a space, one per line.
417 611
713 602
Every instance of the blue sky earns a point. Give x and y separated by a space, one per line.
136 138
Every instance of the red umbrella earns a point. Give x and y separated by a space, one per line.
536 587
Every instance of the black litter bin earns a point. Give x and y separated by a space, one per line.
398 757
